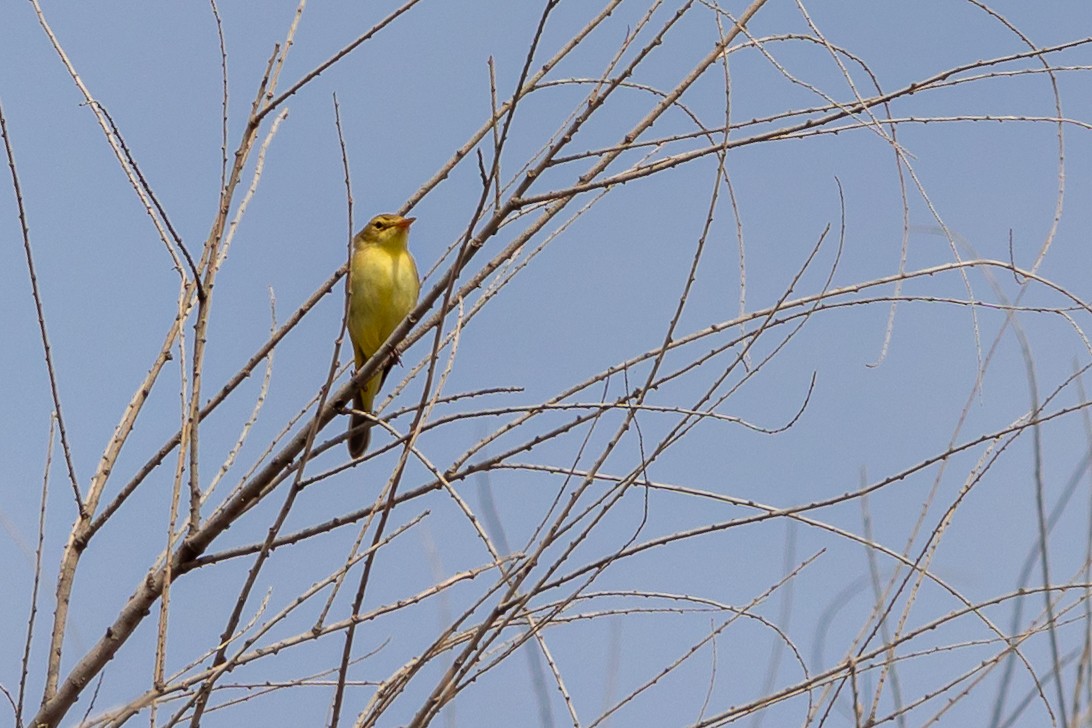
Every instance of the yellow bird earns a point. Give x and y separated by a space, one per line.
383 288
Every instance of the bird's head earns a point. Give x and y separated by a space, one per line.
385 229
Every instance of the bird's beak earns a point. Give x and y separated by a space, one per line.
405 222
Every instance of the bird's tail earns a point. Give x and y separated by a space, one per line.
359 431
360 426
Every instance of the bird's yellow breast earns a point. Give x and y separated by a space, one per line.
383 288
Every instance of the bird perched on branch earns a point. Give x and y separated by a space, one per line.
383 288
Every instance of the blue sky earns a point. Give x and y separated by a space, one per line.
600 293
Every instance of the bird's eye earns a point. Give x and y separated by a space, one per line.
378 224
